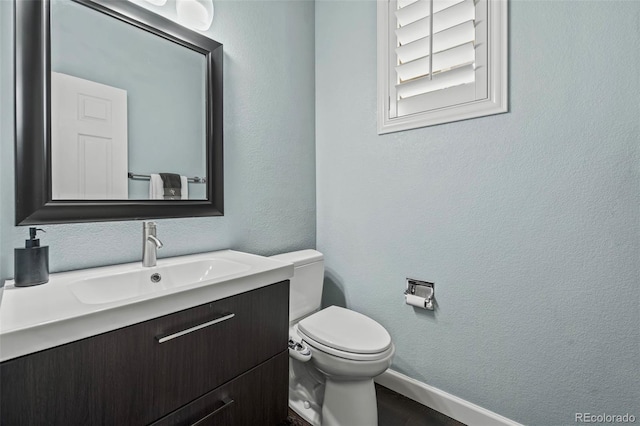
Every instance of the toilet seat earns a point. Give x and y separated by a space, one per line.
345 334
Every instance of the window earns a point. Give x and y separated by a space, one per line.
465 77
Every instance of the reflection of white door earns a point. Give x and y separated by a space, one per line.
88 139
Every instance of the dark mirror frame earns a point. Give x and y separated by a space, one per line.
34 204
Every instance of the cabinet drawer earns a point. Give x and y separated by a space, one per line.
257 397
236 334
128 377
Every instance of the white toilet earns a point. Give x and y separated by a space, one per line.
338 352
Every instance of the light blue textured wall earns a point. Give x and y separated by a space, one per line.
269 149
528 222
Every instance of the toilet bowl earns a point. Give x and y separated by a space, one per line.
335 352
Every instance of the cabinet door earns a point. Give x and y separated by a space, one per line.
257 397
127 377
96 381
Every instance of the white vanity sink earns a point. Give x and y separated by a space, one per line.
78 304
127 284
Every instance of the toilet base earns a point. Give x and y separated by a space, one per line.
306 390
310 414
349 402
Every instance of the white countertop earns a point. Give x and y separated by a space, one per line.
48 315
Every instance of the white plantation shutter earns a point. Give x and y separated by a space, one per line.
435 55
446 28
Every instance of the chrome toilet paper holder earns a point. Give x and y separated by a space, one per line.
422 289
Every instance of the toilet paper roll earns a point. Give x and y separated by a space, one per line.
413 300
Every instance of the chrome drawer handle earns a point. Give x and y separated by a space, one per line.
225 403
192 329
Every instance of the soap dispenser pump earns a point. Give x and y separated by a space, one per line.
31 263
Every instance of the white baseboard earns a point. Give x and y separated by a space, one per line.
449 405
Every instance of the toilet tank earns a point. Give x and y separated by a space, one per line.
305 291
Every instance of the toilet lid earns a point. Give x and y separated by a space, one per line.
346 330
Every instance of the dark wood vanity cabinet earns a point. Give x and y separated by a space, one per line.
220 363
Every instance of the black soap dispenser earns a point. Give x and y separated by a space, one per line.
31 266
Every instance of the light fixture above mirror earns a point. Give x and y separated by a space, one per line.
157 2
195 14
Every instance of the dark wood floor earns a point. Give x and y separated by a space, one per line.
396 410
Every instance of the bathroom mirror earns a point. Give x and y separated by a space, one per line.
84 62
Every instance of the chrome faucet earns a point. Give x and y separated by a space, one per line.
150 244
